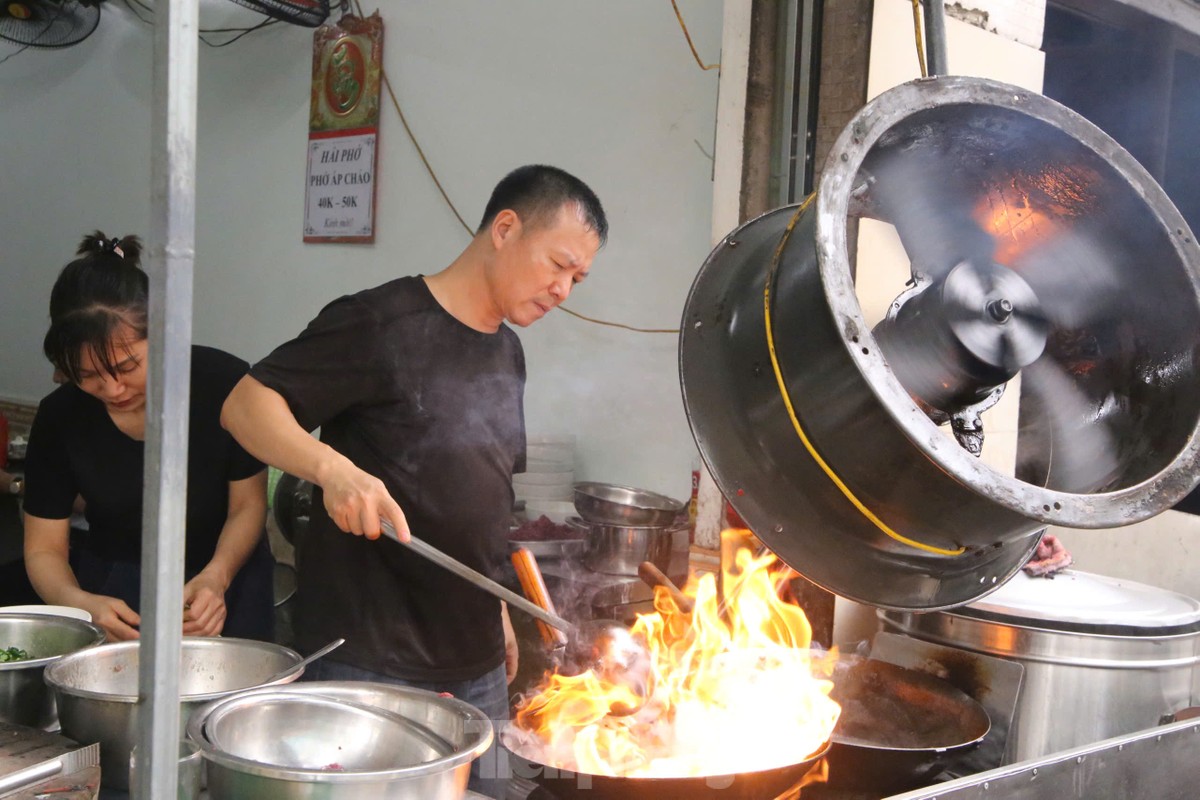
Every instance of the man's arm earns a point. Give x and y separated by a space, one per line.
261 421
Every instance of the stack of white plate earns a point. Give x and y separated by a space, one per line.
549 470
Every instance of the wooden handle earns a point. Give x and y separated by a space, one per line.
534 587
653 576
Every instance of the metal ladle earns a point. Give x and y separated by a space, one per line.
302 663
603 645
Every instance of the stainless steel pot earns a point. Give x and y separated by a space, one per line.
97 689
24 696
619 549
335 754
1102 657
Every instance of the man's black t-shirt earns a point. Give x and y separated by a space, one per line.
434 409
75 448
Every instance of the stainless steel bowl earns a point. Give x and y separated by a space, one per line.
263 745
97 689
609 504
619 549
24 697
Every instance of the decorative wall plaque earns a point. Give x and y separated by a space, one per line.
343 131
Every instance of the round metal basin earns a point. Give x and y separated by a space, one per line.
880 505
330 740
24 697
97 689
609 504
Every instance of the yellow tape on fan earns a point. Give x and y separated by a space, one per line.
787 402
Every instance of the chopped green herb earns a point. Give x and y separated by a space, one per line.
13 654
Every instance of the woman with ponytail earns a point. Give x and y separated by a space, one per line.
87 440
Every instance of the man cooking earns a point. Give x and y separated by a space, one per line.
417 386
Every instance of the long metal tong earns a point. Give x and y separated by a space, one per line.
426 550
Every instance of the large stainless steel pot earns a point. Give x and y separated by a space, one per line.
333 754
1102 657
24 697
97 689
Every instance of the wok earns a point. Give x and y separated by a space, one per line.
567 785
898 726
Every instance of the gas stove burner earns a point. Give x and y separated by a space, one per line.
1040 255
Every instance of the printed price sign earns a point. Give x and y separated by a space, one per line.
343 130
340 194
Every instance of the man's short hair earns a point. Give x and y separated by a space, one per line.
536 192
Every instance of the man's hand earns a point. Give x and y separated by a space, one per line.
1049 558
511 653
112 614
204 605
356 501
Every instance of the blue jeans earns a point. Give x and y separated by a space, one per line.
488 693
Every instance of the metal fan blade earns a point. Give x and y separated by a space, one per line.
1074 279
936 229
1080 454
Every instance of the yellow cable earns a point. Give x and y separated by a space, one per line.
920 43
688 36
787 402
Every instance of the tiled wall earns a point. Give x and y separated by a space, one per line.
19 416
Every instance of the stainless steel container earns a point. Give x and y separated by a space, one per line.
610 504
618 549
97 689
24 697
337 753
1102 657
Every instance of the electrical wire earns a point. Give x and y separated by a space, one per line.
688 36
617 324
15 53
920 43
244 32
133 6
791 410
412 137
471 232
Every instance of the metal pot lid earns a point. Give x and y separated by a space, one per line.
1075 600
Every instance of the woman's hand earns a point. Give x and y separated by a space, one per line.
511 653
204 604
112 614
46 546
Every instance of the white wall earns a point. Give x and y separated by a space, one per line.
606 90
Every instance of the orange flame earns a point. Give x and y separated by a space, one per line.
735 689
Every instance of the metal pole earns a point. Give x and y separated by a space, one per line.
935 36
171 254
